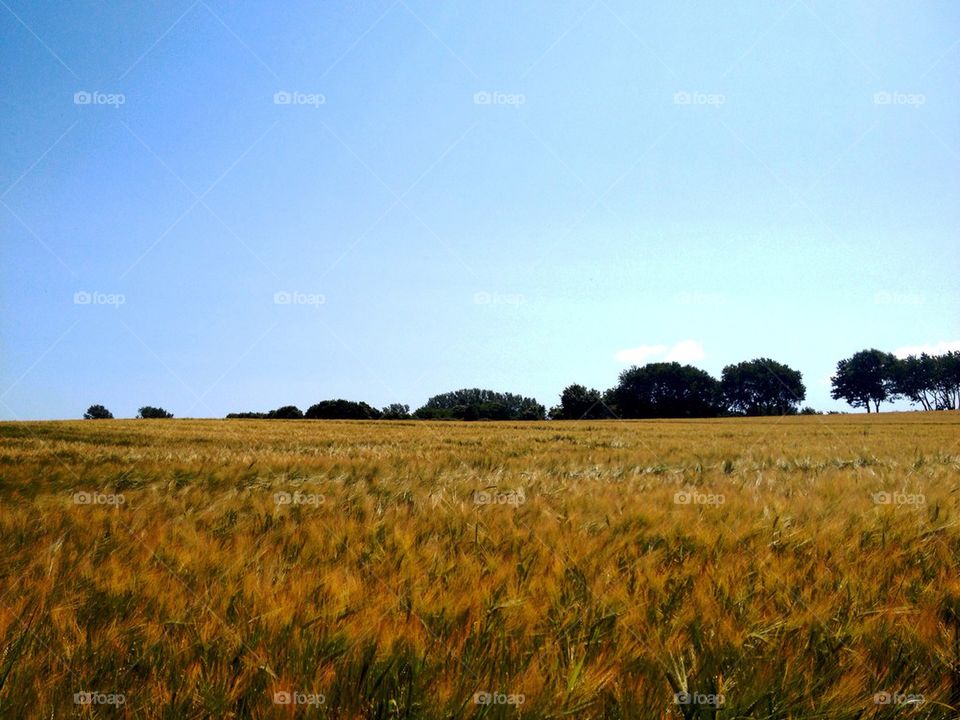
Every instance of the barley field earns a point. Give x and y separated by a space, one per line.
798 567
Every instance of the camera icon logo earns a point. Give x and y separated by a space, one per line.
282 697
82 98
282 97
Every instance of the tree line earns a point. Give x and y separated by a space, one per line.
665 390
871 377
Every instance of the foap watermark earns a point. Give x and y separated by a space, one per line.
899 498
692 497
285 297
295 97
85 497
498 698
493 497
93 697
887 97
495 97
897 698
897 298
86 97
489 298
298 498
296 697
83 297
714 700
685 97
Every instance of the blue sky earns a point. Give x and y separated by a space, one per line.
442 195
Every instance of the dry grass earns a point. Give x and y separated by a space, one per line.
590 591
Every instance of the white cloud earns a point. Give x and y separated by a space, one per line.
685 351
937 349
640 355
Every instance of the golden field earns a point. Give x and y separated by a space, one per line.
797 567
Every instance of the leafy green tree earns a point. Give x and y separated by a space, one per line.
579 403
287 412
477 404
947 380
341 410
153 413
433 413
866 377
915 378
762 387
97 412
395 411
667 390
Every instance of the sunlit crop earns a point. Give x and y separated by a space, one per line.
799 567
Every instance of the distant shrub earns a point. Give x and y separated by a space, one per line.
287 412
97 412
477 404
153 413
341 410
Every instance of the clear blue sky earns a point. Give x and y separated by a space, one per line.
506 195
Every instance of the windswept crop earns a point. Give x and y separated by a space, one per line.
798 567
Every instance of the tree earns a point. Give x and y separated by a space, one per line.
579 403
153 413
915 378
395 411
762 387
341 410
97 412
667 390
477 404
864 378
287 412
430 413
946 380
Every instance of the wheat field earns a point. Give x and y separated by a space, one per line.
798 567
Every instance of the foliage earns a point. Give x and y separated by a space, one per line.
287 412
762 387
866 377
395 411
933 382
477 404
667 390
153 413
97 412
341 410
579 403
